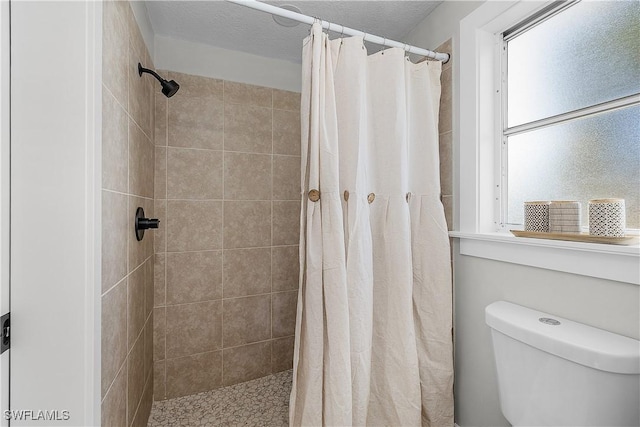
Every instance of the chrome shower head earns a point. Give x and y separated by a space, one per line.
169 87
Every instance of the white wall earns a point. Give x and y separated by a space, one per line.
141 14
5 192
208 61
441 24
189 57
614 306
55 225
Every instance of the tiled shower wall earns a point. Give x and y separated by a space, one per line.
227 194
127 182
445 129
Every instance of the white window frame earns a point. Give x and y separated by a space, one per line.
479 112
506 131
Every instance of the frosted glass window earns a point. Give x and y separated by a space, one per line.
587 54
593 157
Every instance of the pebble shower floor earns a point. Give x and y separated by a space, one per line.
261 402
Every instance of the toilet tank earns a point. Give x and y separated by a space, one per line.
556 372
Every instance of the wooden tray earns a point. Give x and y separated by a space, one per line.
577 237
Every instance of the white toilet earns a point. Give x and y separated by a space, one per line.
555 372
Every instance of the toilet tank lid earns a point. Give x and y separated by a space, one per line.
589 346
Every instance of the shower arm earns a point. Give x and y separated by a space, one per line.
141 70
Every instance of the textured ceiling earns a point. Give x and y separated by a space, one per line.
230 26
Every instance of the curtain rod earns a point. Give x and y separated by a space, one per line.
305 19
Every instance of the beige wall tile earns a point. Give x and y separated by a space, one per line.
194 328
148 286
194 276
247 224
160 233
159 329
194 174
447 202
282 357
446 163
160 176
160 118
141 92
446 104
148 346
144 407
135 305
159 380
247 128
285 100
139 251
194 225
114 405
159 283
247 272
192 86
191 229
246 363
136 379
113 333
114 238
285 268
141 162
286 132
193 374
246 320
115 49
115 144
284 313
247 176
196 113
241 93
286 223
286 178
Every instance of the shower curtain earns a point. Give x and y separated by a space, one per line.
373 341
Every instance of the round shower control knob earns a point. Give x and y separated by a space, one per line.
142 223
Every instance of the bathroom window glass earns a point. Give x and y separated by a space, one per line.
571 108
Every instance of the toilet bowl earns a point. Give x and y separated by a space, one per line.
556 372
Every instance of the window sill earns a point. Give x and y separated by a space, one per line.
611 262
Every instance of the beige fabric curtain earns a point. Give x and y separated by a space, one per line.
373 333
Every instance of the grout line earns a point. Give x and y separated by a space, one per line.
243 248
229 200
229 298
166 242
174 147
128 194
114 286
228 348
271 242
224 143
106 393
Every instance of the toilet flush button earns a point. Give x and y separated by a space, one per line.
549 321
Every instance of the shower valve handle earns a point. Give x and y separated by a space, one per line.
143 223
146 223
